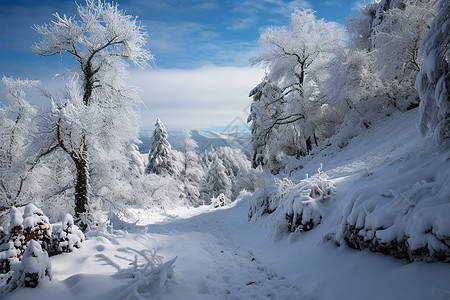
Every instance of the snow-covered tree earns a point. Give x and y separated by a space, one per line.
160 154
284 104
390 32
191 173
217 181
95 122
396 40
433 80
15 133
67 237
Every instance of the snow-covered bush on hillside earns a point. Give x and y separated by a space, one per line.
220 201
433 82
293 207
408 217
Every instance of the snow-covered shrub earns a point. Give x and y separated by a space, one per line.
66 237
303 204
36 226
13 245
8 256
220 201
265 199
293 207
35 266
407 219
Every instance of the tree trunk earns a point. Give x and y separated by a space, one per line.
81 190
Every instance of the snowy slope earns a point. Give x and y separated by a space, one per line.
220 255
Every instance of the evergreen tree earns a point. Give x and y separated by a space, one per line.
160 160
216 180
191 173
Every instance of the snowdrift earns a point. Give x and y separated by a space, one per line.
387 191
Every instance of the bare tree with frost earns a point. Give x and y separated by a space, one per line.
95 119
15 125
287 108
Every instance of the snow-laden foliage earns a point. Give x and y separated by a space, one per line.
433 82
293 207
25 250
160 157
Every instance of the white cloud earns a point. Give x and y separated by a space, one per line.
200 98
242 23
357 5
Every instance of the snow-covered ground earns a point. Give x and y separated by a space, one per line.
220 255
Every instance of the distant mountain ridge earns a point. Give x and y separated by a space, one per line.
204 138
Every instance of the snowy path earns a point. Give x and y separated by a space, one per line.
222 256
212 265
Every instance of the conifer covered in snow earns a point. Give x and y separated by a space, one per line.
160 154
13 245
67 237
35 266
36 226
217 181
190 172
433 82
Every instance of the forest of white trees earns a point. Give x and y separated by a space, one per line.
321 80
323 85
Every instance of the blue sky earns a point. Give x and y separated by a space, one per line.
201 76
